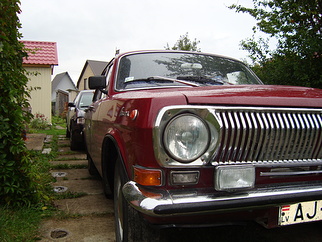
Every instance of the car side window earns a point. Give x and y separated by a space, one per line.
108 77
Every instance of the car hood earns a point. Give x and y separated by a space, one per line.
255 95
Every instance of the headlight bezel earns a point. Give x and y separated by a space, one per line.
168 113
166 132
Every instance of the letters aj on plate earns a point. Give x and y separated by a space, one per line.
300 212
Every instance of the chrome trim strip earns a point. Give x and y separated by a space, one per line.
290 173
288 134
311 133
320 137
274 163
203 203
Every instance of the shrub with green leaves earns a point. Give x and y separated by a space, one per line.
17 185
39 122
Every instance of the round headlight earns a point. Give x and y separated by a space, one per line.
186 137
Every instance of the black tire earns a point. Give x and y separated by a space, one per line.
74 145
67 133
129 225
91 167
107 188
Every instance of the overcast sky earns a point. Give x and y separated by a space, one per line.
94 29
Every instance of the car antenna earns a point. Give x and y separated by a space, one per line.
117 51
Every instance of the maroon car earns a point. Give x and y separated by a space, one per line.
195 139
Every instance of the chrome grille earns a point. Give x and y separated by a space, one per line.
268 134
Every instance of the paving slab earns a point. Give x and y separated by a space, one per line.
63 142
69 162
81 186
87 229
35 141
74 156
87 205
64 149
74 174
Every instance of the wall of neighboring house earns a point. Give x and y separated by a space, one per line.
83 84
64 84
40 100
72 95
61 103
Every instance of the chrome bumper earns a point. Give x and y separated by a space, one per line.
192 202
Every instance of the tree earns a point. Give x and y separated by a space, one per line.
184 43
297 27
16 181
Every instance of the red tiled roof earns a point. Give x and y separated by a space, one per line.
41 53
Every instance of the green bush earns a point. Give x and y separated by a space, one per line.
17 183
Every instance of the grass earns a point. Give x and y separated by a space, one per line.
50 131
45 128
19 225
22 224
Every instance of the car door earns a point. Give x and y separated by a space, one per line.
94 125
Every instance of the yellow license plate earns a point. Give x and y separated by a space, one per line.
300 213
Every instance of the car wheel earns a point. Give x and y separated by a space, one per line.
67 133
129 225
107 188
74 145
91 167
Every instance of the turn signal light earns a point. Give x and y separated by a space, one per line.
133 114
147 177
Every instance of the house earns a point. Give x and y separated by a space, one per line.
42 57
62 81
63 90
91 68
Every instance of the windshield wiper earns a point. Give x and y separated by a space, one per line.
201 79
160 78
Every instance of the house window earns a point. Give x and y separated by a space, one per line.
85 83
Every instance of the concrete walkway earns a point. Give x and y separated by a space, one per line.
90 217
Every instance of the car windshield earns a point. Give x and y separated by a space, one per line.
172 69
85 100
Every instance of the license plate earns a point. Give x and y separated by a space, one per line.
300 213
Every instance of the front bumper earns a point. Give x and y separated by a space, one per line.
193 202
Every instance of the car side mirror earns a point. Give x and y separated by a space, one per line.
97 82
71 105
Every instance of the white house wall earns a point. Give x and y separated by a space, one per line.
40 100
65 84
